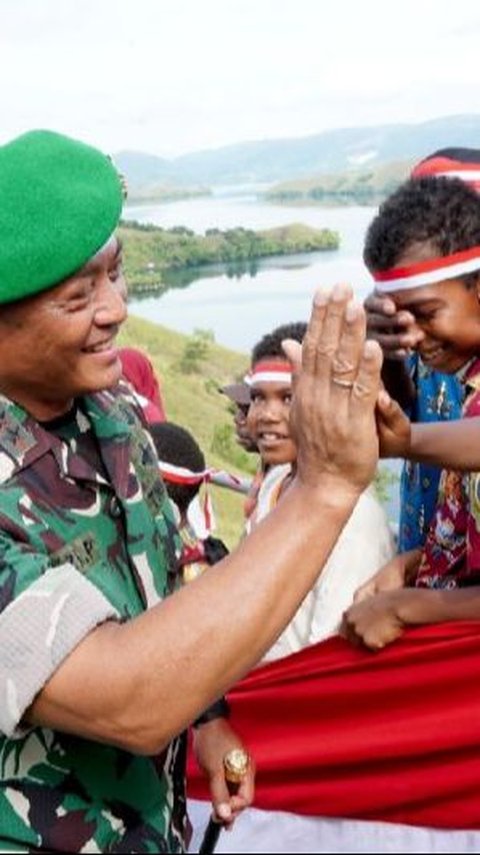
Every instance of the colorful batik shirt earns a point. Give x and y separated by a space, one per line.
451 556
86 535
439 398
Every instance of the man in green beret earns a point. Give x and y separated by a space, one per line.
102 665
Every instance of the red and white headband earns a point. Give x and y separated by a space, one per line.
202 517
446 167
428 272
269 371
181 475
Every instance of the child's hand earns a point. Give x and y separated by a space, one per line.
393 426
394 330
374 622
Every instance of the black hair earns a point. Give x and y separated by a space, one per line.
271 343
463 155
444 212
177 446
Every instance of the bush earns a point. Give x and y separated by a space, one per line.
197 348
224 444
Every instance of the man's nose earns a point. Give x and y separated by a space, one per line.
111 308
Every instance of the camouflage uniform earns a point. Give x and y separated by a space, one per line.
86 535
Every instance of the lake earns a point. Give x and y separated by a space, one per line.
240 308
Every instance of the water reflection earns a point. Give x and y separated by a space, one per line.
185 276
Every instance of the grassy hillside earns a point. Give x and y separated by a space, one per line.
192 399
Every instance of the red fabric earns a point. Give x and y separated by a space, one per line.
138 370
390 736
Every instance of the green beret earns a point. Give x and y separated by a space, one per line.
60 201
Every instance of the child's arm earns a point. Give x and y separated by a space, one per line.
379 620
452 445
397 573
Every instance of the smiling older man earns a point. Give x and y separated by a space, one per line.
100 669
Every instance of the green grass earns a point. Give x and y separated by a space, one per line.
192 400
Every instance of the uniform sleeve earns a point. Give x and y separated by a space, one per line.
44 613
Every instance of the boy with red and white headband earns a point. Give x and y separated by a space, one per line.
427 395
423 250
365 543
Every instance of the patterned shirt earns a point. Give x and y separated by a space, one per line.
439 398
451 556
86 535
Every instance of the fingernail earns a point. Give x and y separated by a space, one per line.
352 312
320 298
370 349
341 292
224 812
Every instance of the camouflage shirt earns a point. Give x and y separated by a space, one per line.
86 535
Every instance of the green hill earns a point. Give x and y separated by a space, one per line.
191 368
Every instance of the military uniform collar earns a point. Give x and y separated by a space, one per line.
23 440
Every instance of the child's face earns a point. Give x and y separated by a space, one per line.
268 422
447 319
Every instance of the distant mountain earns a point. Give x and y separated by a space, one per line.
285 159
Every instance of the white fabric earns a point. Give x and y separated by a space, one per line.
268 494
270 377
466 175
277 832
365 545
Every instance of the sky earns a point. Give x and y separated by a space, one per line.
174 76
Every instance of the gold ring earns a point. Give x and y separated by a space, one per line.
236 763
345 384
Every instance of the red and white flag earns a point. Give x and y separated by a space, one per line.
362 751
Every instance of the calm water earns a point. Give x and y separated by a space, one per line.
240 308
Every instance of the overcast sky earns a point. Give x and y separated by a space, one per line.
170 76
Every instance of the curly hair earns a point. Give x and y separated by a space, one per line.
271 343
177 446
444 212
